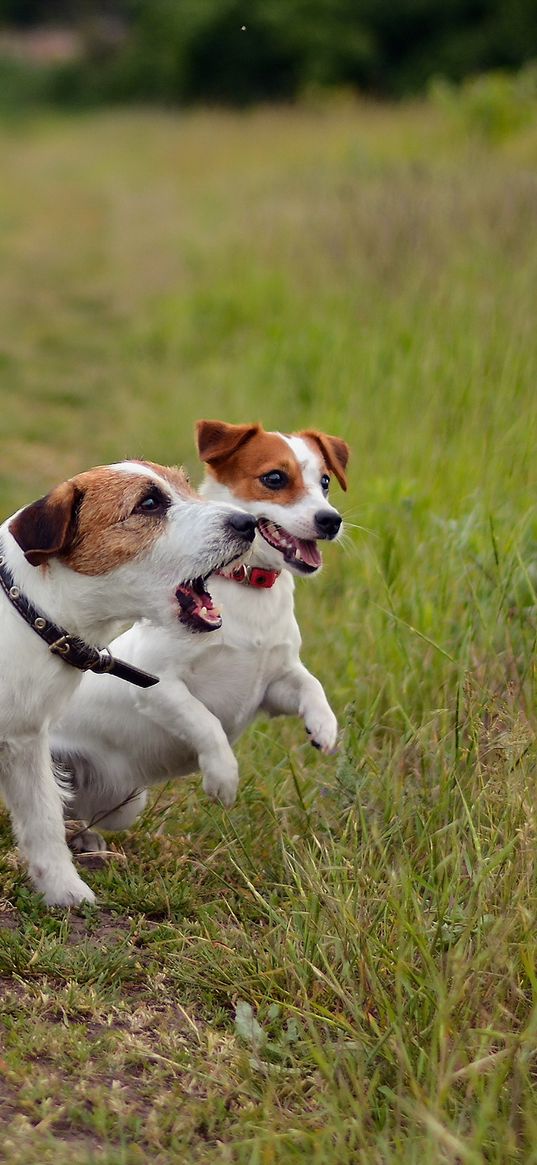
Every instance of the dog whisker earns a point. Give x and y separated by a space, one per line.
364 529
349 548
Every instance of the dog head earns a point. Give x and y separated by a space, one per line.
132 539
283 480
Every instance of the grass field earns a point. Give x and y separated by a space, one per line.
342 969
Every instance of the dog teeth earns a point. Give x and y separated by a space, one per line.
279 539
203 610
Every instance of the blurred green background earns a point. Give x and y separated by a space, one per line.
81 52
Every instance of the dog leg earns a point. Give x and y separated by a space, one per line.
120 816
173 707
35 807
298 693
90 799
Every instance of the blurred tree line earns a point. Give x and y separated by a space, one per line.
246 50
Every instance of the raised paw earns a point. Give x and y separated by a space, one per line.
220 780
321 726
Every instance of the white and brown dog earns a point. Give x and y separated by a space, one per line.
115 740
108 546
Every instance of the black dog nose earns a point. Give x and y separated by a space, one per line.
243 524
327 523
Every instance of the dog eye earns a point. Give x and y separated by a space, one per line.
276 479
325 483
154 502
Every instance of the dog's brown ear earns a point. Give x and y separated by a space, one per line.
217 441
335 452
46 527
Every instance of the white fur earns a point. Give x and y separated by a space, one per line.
117 739
35 685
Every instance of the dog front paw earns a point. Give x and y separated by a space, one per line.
83 841
220 780
321 726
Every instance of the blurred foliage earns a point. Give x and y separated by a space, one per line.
492 106
235 52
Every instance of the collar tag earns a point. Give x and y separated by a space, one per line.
264 579
252 576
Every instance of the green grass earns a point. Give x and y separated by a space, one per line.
343 968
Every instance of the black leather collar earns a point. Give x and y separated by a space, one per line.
70 648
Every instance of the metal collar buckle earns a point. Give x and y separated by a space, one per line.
61 646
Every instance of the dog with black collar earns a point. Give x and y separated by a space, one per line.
113 741
100 550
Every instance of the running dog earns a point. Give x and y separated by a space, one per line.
114 741
106 547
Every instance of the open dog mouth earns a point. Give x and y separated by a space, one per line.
299 553
197 608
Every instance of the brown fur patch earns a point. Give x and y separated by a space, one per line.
46 527
108 533
217 440
175 475
238 455
334 451
245 457
88 522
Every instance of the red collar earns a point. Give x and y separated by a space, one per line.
252 576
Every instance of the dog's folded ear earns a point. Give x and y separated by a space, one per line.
47 527
217 440
335 453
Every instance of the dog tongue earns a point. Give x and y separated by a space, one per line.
310 552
